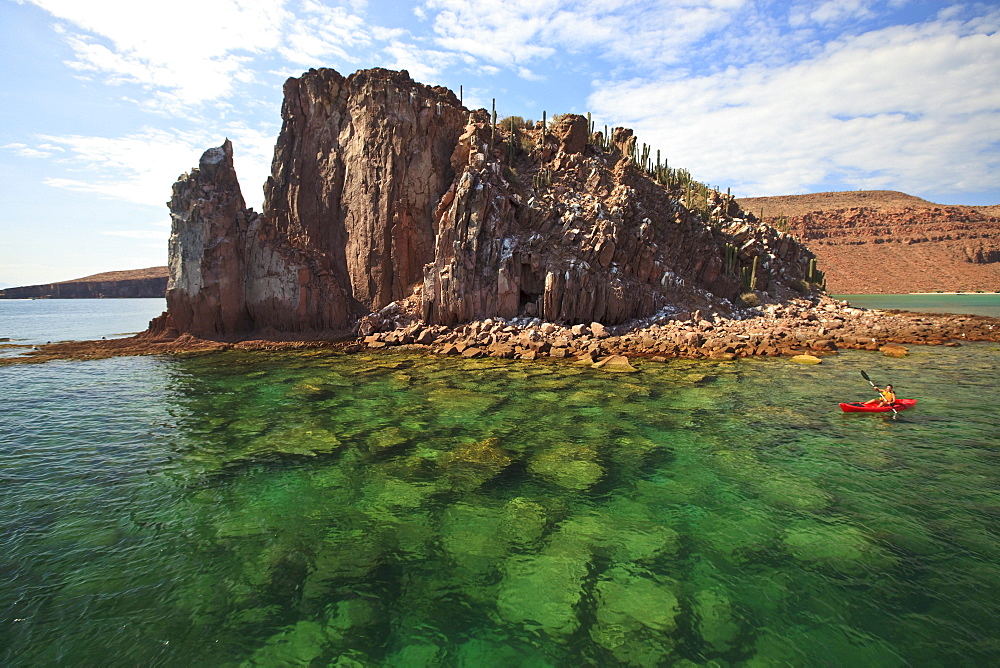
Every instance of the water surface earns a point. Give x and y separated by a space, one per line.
30 322
397 510
968 303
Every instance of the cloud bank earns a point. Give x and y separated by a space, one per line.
766 97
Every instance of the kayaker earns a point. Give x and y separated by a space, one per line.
886 397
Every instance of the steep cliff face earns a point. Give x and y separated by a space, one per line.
347 227
210 227
383 188
572 230
359 166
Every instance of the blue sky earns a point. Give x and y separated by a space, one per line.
104 103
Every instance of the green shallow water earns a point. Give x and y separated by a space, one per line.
969 303
312 508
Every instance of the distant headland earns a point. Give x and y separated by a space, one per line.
881 241
136 283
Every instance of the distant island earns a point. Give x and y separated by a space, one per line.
134 283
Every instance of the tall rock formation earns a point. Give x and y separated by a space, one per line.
358 169
383 189
210 223
347 227
595 239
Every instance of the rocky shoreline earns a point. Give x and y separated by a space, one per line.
816 327
812 327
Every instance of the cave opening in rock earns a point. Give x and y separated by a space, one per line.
532 287
528 303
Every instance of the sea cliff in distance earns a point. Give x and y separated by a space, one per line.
886 242
132 283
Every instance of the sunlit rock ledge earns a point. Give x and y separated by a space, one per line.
820 326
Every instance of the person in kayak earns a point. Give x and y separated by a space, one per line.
886 397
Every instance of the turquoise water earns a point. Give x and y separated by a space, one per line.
29 322
313 508
966 303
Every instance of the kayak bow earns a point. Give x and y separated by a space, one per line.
858 407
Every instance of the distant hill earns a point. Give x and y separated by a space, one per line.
126 275
882 241
149 282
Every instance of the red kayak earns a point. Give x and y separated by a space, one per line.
873 407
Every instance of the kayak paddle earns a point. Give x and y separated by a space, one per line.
865 376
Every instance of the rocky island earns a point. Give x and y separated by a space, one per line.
394 216
383 189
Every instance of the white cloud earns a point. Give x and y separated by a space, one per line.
25 151
141 167
186 51
830 11
911 107
518 32
319 34
423 65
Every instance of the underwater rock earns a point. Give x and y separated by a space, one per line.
568 465
806 359
386 439
415 654
616 364
350 617
542 592
738 535
837 644
316 389
470 534
584 398
772 484
634 617
415 537
633 451
300 440
782 489
295 646
894 350
618 536
714 620
343 556
469 465
522 521
502 651
836 547
386 498
460 406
